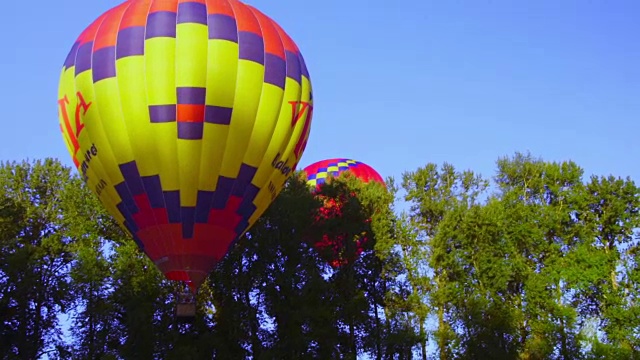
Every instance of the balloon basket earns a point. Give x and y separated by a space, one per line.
186 312
186 307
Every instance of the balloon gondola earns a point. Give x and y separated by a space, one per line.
333 246
186 306
185 118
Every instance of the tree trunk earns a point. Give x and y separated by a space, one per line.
91 336
423 341
378 335
352 336
256 348
442 342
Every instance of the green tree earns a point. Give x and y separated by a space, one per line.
612 216
435 193
526 272
35 255
541 201
94 327
544 266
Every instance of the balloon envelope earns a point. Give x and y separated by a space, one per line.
333 246
318 172
185 118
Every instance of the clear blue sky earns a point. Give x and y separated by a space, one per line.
400 84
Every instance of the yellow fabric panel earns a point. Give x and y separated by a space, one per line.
191 70
95 175
188 159
102 164
161 90
222 70
107 102
280 135
161 70
283 142
106 117
265 124
166 154
294 133
191 55
132 88
247 98
214 141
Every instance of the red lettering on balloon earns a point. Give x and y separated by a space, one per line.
84 106
73 135
297 113
62 104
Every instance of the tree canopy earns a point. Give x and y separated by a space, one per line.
536 262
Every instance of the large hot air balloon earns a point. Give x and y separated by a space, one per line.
333 245
185 117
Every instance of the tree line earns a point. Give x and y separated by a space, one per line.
536 262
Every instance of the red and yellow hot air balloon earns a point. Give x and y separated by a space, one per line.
185 117
334 245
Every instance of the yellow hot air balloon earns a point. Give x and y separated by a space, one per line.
185 117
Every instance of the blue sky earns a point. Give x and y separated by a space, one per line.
400 84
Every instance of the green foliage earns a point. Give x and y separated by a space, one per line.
36 247
535 263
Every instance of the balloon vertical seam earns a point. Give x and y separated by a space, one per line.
244 150
275 116
126 213
163 240
181 244
203 156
